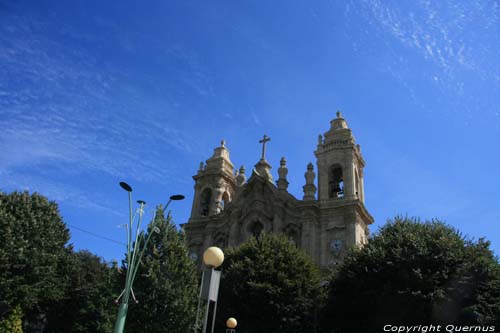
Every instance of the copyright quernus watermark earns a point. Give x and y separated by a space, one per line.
437 328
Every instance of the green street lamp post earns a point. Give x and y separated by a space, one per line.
134 255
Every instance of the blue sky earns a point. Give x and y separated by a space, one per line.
93 93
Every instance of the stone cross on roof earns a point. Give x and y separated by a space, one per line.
264 140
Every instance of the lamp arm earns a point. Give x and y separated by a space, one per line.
137 264
129 239
129 233
136 246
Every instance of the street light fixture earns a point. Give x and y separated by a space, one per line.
134 255
231 324
213 257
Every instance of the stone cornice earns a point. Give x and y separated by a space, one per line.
337 203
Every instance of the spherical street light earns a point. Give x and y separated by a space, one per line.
213 256
231 323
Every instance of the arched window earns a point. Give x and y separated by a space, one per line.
225 200
221 241
206 199
335 182
292 234
256 229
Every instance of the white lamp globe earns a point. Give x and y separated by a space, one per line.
231 323
213 256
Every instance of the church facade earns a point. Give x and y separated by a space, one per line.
228 208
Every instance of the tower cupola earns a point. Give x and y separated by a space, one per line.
215 184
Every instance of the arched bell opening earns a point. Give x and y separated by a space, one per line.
225 200
335 182
206 199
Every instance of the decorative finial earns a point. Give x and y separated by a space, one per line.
309 187
320 139
282 172
223 143
240 177
339 114
264 140
201 166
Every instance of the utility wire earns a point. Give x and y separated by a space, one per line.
96 235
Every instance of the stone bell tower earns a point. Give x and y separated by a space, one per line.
340 164
215 184
344 218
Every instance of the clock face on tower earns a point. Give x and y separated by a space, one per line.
336 246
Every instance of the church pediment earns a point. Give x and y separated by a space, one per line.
261 195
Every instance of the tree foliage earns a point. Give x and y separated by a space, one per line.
415 273
33 248
13 323
166 285
87 305
269 285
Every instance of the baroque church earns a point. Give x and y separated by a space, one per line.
228 208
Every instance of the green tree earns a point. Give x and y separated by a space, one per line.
33 241
88 302
166 285
414 273
14 322
269 285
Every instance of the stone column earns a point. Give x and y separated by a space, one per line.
349 190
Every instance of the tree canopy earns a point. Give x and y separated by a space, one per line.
87 305
269 285
415 273
166 285
33 250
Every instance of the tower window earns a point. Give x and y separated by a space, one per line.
206 198
256 229
335 182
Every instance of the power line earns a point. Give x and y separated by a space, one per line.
96 235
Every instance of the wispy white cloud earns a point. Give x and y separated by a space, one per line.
59 192
60 105
256 119
457 39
